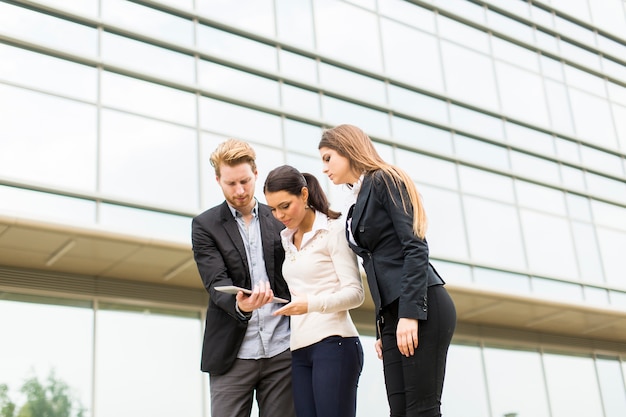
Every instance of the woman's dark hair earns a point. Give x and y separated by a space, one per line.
289 179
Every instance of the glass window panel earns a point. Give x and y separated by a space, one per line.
465 391
47 31
611 386
179 4
482 153
146 20
453 273
85 7
559 107
211 193
471 121
38 205
226 118
470 11
601 161
266 160
486 184
237 48
59 149
446 229
613 47
518 7
592 118
299 101
147 223
587 253
547 42
609 15
614 69
619 115
567 150
541 16
574 31
552 68
128 345
298 67
304 138
573 178
510 372
354 85
47 336
521 94
528 138
584 80
462 34
576 8
421 167
498 240
421 136
411 56
47 73
548 241
582 56
417 104
617 93
608 214
606 187
535 168
166 175
253 15
618 299
294 22
540 198
357 43
408 13
510 27
557 291
515 54
148 59
501 280
597 296
469 76
612 244
337 112
578 207
238 84
572 386
149 99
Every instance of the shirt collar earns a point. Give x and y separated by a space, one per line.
320 223
236 213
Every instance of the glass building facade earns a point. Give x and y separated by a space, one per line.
509 115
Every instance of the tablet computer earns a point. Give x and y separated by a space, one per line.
233 289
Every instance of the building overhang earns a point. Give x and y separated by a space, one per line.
59 248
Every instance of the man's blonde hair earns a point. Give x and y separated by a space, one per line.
233 152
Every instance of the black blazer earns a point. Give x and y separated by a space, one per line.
221 258
395 260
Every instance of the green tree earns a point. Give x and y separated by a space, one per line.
52 399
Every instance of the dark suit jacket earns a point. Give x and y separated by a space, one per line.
221 258
395 260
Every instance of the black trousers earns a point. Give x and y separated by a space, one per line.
414 384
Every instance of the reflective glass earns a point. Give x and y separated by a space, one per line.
416 104
515 54
522 94
557 291
148 99
551 68
587 252
602 161
617 93
597 296
59 149
421 136
210 191
612 386
549 248
585 81
47 73
411 56
576 8
296 100
148 21
298 67
573 178
579 55
618 299
609 15
470 11
567 150
614 69
572 386
559 107
497 242
574 31
619 115
408 13
303 138
510 372
463 34
608 214
227 81
226 119
374 122
528 166
47 337
465 390
578 207
517 7
48 31
467 120
510 27
612 244
353 85
356 43
421 168
148 161
294 22
253 15
85 7
479 152
607 188
453 273
128 383
236 48
527 138
493 279
540 198
541 16
547 42
486 184
148 59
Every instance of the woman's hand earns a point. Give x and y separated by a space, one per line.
298 305
406 336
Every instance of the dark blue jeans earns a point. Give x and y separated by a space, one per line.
414 384
325 377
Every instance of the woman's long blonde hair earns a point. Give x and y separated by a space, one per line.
352 143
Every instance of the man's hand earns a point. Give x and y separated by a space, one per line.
261 295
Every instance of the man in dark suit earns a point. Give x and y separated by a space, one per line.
246 348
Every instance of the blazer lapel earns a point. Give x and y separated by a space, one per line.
232 230
267 233
359 206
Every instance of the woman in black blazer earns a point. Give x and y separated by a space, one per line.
386 227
